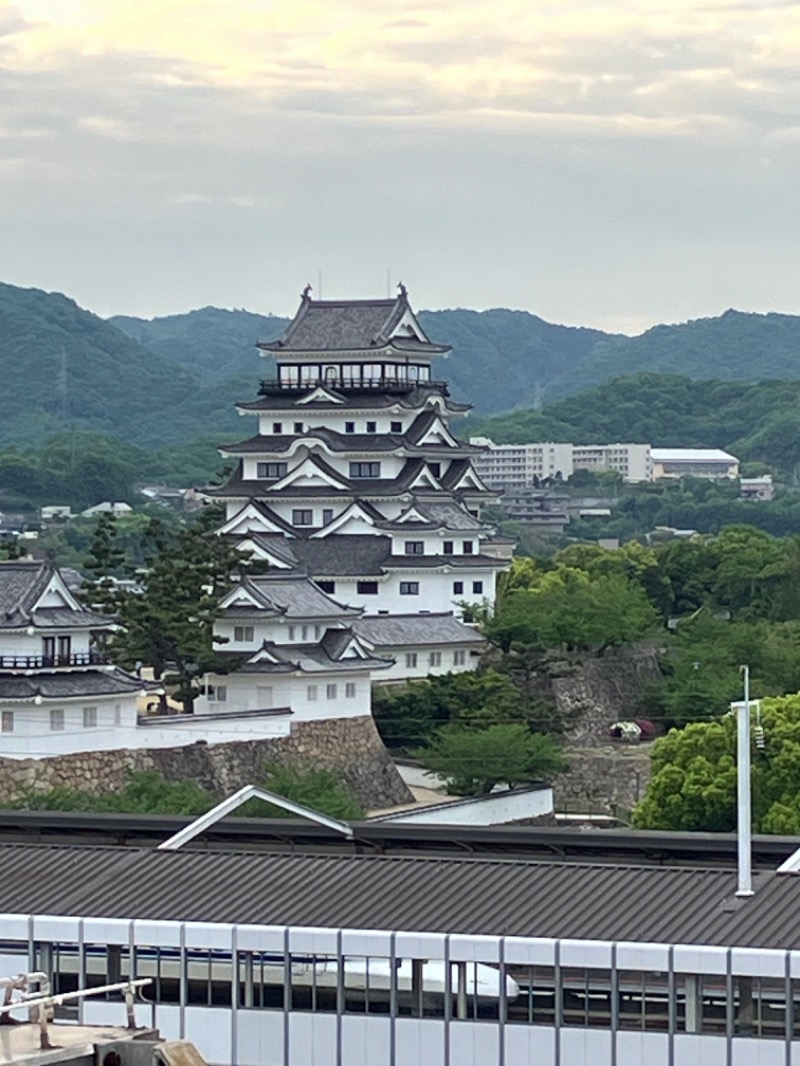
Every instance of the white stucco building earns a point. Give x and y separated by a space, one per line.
354 479
510 466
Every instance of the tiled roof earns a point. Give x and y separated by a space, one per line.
510 897
323 657
388 631
22 583
346 325
371 400
343 555
68 683
294 597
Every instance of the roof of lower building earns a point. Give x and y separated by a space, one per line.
22 585
399 629
293 596
669 905
68 684
691 455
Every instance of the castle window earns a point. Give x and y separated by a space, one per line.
57 720
367 588
7 722
330 692
411 660
302 517
327 586
458 588
415 547
89 717
298 427
243 634
467 547
349 427
327 515
277 428
477 587
409 588
217 693
396 427
372 427
350 690
459 658
435 658
447 547
435 469
311 693
365 470
271 471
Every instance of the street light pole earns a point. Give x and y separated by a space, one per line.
743 800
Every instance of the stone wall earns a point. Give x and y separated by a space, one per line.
603 780
350 747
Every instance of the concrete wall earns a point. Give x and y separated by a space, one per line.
350 747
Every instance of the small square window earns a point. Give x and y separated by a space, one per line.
89 717
350 690
327 515
277 428
458 588
415 547
327 586
243 634
349 427
302 517
330 692
435 658
447 547
367 588
435 469
57 720
372 427
411 660
459 658
396 427
409 588
217 693
311 693
466 547
477 587
298 427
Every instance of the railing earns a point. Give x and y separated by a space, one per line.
38 662
270 385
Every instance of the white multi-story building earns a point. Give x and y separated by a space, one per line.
520 465
354 479
694 462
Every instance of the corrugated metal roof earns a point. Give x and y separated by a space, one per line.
474 896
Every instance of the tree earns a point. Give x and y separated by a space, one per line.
169 624
320 789
694 775
473 762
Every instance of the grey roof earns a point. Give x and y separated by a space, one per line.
391 630
277 398
445 514
22 583
471 896
237 486
342 325
64 684
293 596
343 555
326 656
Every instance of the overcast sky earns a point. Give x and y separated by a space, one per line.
607 164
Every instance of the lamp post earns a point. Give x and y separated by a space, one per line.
743 791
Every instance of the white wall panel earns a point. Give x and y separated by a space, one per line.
260 937
419 1042
695 958
103 1012
310 941
107 931
642 1049
157 934
419 946
750 1052
585 953
530 1044
168 1020
47 927
475 1043
643 957
706 1050
755 962
475 948
13 926
259 1038
540 952
366 942
208 935
366 1040
209 1029
585 1047
312 1040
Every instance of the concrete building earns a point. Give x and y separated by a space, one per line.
693 462
757 488
518 466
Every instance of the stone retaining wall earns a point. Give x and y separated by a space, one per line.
350 747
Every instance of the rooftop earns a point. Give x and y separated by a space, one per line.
389 630
580 900
691 455
347 325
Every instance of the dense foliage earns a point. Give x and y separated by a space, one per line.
694 775
150 793
474 762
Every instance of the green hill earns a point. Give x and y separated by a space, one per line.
733 347
500 358
756 421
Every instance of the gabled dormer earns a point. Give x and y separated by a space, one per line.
311 472
256 517
357 518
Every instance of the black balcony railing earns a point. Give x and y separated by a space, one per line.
271 385
52 662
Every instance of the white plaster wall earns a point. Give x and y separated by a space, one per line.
636 1049
705 1050
420 1042
23 643
749 1052
474 1042
312 1039
335 418
366 1040
401 672
290 691
209 1029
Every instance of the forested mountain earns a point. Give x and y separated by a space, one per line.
754 421
64 368
733 347
500 358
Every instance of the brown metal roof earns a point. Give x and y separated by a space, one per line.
477 896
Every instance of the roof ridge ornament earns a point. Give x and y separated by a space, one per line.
305 295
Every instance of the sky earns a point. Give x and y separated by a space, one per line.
604 164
